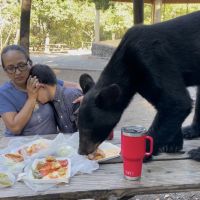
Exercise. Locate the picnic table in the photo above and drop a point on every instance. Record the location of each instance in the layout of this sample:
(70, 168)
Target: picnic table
(166, 173)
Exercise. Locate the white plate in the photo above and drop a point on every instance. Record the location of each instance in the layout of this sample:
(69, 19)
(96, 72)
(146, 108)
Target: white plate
(48, 180)
(45, 142)
(110, 150)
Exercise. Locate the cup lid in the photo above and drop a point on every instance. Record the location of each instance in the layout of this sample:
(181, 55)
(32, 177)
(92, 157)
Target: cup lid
(133, 130)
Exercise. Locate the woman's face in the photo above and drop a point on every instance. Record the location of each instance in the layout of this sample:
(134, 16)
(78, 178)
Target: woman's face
(16, 61)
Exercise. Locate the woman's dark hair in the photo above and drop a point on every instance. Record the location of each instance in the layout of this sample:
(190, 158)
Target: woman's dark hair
(44, 74)
(15, 48)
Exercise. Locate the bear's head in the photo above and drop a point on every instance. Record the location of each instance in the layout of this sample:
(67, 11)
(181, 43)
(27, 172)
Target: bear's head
(98, 113)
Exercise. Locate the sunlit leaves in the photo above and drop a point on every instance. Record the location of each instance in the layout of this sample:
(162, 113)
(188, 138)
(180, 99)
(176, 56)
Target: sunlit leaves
(72, 21)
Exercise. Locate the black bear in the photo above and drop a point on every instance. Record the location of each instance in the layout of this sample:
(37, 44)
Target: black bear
(157, 61)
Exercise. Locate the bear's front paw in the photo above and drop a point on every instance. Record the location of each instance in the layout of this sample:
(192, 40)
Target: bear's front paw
(171, 148)
(190, 132)
(195, 154)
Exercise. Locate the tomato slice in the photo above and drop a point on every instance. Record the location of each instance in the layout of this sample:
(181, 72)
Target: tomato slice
(43, 173)
(63, 163)
(47, 167)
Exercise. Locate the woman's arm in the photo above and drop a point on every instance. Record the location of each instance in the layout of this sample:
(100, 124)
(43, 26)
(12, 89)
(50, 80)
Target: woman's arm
(78, 100)
(15, 122)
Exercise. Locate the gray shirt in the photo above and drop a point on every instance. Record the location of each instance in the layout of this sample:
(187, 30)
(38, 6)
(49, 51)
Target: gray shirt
(42, 120)
(64, 108)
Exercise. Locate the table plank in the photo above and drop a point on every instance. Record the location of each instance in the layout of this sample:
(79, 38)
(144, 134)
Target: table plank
(158, 177)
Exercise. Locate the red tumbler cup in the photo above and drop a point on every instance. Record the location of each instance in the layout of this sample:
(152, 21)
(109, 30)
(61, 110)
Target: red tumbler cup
(133, 150)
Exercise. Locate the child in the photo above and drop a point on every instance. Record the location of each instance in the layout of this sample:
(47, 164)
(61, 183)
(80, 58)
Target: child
(60, 98)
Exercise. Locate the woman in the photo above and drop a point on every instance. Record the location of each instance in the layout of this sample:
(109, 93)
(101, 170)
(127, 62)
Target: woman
(19, 109)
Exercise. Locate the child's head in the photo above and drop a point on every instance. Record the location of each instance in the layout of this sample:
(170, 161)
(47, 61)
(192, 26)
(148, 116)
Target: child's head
(47, 80)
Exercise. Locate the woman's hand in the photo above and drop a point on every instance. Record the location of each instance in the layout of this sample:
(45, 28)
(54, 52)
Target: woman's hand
(78, 100)
(32, 87)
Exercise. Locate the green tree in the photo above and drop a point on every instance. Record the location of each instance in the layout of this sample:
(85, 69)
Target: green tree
(9, 22)
(72, 21)
(170, 11)
(69, 22)
(116, 20)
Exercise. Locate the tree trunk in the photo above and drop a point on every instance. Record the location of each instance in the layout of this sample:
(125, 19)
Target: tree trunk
(157, 5)
(46, 46)
(97, 25)
(16, 40)
(138, 11)
(1, 39)
(25, 24)
(7, 39)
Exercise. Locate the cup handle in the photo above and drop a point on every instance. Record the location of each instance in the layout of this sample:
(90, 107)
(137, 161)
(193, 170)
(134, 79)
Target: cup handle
(151, 145)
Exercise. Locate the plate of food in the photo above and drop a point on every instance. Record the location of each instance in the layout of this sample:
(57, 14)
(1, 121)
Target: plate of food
(105, 151)
(34, 147)
(29, 149)
(14, 157)
(50, 170)
(7, 179)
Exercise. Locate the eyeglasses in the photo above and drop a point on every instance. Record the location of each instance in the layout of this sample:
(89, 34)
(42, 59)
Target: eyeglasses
(11, 69)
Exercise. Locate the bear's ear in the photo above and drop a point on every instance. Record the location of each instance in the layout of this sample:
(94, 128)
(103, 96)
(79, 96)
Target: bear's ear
(86, 82)
(108, 97)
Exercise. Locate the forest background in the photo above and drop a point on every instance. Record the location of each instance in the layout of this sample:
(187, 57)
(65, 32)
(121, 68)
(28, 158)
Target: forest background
(71, 22)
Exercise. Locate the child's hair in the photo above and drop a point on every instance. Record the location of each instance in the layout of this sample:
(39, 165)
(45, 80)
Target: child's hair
(44, 74)
(15, 48)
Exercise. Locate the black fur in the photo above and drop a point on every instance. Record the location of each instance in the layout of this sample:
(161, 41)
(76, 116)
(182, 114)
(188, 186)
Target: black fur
(86, 82)
(157, 61)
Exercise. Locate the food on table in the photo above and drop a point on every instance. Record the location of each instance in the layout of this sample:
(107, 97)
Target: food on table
(97, 155)
(50, 168)
(65, 150)
(105, 152)
(5, 180)
(16, 157)
(27, 150)
(112, 152)
(34, 148)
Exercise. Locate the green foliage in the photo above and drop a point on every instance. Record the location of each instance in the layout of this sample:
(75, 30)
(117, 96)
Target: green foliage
(147, 14)
(9, 21)
(116, 20)
(65, 21)
(170, 11)
(71, 22)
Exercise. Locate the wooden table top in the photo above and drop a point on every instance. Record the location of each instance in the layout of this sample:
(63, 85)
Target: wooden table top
(166, 173)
